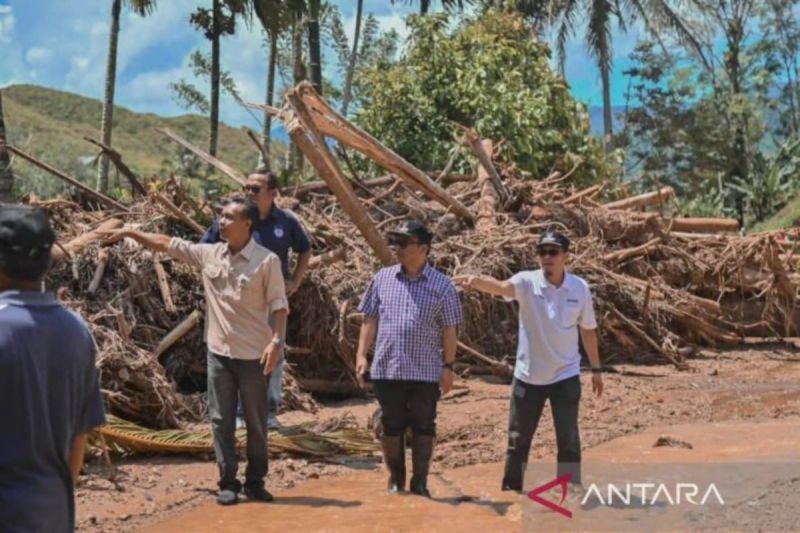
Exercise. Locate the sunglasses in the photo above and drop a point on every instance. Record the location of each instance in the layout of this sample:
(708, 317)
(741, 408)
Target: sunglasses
(552, 252)
(402, 243)
(252, 188)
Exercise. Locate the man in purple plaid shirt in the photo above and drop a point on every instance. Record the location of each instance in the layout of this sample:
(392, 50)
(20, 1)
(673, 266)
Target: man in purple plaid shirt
(414, 310)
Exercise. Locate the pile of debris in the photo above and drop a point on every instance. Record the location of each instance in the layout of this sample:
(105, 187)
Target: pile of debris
(662, 284)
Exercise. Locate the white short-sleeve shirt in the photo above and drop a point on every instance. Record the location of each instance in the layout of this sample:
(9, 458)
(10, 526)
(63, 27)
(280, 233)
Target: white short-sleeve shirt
(549, 317)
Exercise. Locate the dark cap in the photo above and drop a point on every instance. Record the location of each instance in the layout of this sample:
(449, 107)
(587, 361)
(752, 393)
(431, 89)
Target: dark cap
(412, 228)
(553, 238)
(25, 231)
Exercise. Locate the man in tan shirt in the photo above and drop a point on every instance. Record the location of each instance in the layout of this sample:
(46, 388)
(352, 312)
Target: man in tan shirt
(244, 286)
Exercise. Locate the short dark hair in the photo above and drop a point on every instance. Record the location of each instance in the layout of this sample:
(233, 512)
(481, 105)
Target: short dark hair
(26, 241)
(25, 267)
(249, 210)
(272, 179)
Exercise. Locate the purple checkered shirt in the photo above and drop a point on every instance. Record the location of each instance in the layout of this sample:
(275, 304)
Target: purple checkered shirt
(411, 314)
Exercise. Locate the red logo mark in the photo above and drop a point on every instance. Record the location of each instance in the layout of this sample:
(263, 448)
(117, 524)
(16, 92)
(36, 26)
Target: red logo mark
(559, 481)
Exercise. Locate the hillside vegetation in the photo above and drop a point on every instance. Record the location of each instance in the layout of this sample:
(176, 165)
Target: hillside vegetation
(51, 124)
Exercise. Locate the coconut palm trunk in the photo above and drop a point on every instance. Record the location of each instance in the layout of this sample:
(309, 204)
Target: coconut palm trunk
(108, 100)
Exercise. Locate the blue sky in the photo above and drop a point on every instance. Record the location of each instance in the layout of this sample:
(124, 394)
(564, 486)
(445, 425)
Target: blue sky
(62, 44)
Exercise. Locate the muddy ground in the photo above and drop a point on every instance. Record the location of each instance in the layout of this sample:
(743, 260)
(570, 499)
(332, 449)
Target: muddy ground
(719, 386)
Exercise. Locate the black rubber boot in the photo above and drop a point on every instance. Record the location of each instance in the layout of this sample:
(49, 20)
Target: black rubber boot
(394, 455)
(421, 453)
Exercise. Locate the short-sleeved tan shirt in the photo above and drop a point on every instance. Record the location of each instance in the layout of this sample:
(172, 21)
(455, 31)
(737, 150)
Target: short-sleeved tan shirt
(242, 291)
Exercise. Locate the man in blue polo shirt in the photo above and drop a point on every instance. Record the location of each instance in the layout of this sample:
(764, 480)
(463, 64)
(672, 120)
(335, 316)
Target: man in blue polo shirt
(49, 388)
(278, 230)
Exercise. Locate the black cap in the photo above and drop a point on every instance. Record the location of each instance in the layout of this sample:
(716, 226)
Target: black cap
(412, 228)
(25, 231)
(553, 238)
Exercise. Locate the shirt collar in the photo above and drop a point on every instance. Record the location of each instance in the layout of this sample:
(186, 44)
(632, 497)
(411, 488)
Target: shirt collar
(249, 248)
(542, 282)
(423, 276)
(28, 298)
(273, 212)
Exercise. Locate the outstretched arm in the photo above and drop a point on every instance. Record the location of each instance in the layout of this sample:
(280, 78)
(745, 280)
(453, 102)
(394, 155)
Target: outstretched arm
(485, 284)
(152, 241)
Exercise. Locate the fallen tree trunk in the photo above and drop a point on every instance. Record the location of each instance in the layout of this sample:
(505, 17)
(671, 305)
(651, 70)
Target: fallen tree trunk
(702, 225)
(330, 123)
(177, 333)
(223, 167)
(79, 243)
(100, 197)
(300, 128)
(642, 200)
(177, 213)
(487, 203)
(116, 158)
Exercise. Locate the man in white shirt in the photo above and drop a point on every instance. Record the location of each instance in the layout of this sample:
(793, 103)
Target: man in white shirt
(554, 306)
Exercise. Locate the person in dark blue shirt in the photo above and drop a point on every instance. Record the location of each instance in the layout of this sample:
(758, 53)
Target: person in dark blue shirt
(278, 230)
(49, 388)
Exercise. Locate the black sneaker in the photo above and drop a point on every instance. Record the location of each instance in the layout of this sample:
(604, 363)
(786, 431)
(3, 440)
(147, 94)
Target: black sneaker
(258, 494)
(227, 497)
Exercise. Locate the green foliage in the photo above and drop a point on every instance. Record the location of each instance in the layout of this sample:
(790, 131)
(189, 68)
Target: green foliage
(51, 124)
(490, 73)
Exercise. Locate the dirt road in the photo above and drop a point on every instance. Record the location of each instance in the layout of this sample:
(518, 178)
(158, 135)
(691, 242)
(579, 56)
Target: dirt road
(753, 386)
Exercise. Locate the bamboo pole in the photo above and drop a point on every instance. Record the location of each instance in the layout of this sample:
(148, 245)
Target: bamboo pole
(223, 167)
(310, 141)
(100, 197)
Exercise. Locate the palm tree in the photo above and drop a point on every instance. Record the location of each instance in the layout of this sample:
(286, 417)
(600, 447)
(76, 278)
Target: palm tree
(657, 15)
(274, 18)
(314, 45)
(425, 5)
(6, 176)
(351, 66)
(140, 7)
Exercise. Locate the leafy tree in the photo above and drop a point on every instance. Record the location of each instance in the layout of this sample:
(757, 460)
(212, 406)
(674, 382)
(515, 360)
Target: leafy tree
(486, 73)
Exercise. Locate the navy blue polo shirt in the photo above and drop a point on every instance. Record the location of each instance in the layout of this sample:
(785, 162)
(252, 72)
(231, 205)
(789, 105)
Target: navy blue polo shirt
(279, 231)
(49, 393)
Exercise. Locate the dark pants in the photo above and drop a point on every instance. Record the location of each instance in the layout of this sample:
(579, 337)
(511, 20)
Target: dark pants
(527, 404)
(228, 380)
(407, 404)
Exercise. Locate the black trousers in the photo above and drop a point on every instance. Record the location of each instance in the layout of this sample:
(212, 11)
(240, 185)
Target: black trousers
(527, 404)
(228, 380)
(407, 404)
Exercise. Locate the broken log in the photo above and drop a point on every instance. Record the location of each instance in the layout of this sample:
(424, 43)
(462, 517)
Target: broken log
(177, 213)
(163, 285)
(587, 193)
(629, 253)
(102, 262)
(223, 167)
(177, 333)
(642, 200)
(116, 158)
(79, 243)
(331, 123)
(488, 201)
(507, 370)
(328, 258)
(100, 197)
(483, 149)
(309, 140)
(702, 225)
(324, 386)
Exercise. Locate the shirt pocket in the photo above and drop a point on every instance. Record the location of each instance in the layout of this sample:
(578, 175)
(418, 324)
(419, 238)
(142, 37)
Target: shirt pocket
(248, 289)
(215, 273)
(570, 314)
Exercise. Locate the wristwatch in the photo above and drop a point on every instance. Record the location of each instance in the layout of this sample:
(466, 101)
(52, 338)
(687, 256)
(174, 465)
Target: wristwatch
(278, 341)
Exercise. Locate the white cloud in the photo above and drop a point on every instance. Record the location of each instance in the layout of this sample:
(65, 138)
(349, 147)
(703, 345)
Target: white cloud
(38, 56)
(7, 23)
(5, 9)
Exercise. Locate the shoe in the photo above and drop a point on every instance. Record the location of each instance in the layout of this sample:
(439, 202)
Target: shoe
(272, 421)
(227, 497)
(258, 494)
(394, 455)
(421, 453)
